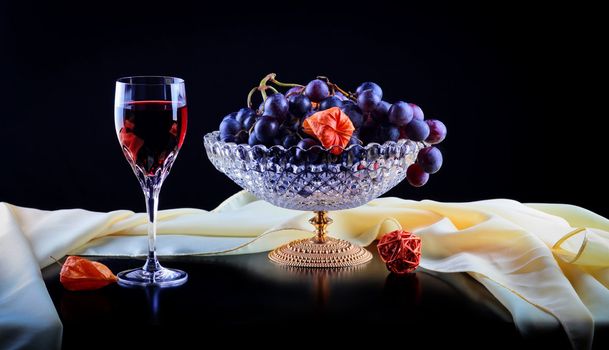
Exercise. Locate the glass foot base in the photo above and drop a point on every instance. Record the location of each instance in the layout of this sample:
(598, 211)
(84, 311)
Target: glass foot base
(332, 253)
(162, 277)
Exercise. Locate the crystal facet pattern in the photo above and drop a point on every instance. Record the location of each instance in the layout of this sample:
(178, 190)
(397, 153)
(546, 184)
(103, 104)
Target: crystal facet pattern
(313, 179)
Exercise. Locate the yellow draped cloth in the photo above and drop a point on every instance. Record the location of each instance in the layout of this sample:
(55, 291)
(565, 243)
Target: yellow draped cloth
(546, 263)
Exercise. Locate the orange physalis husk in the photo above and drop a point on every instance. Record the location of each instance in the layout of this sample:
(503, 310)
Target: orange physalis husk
(82, 274)
(332, 127)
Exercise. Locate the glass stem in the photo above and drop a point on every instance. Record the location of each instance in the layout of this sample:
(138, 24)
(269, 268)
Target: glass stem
(151, 192)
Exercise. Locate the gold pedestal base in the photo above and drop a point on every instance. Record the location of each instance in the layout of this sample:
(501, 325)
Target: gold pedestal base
(320, 251)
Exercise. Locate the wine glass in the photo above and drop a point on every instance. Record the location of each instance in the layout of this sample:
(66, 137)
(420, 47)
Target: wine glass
(150, 117)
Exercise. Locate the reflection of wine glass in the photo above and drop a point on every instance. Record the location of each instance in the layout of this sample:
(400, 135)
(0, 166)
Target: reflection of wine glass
(153, 295)
(150, 117)
(316, 180)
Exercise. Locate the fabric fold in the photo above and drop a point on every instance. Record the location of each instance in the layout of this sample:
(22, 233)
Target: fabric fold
(28, 319)
(547, 264)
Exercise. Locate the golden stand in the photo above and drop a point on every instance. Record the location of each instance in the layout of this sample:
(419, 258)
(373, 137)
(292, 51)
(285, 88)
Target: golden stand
(320, 251)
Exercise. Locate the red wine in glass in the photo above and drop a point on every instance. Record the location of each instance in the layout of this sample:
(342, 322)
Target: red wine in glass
(150, 117)
(151, 133)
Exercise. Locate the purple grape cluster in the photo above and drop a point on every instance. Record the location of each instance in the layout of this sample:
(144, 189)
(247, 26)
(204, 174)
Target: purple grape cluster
(383, 121)
(279, 120)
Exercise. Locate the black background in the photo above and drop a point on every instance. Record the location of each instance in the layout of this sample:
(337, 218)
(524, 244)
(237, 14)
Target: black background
(514, 84)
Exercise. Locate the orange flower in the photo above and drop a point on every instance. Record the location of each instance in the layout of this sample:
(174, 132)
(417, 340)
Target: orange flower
(332, 127)
(81, 274)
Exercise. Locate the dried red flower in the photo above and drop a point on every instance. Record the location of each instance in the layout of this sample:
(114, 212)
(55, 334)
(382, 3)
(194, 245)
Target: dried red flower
(82, 274)
(332, 127)
(401, 251)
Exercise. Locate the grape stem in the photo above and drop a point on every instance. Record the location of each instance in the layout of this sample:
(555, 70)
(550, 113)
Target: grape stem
(334, 87)
(278, 83)
(270, 78)
(249, 96)
(267, 78)
(347, 94)
(262, 86)
(295, 93)
(271, 88)
(330, 85)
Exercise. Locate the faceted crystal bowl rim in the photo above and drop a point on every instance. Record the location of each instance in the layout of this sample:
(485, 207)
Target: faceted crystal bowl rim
(218, 151)
(213, 137)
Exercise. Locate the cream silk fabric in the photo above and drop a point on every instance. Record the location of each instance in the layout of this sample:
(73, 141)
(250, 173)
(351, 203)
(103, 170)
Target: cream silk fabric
(547, 264)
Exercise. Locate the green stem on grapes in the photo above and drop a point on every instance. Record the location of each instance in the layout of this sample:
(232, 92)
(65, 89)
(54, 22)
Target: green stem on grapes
(261, 89)
(268, 77)
(272, 88)
(262, 86)
(278, 83)
(347, 94)
(249, 96)
(334, 87)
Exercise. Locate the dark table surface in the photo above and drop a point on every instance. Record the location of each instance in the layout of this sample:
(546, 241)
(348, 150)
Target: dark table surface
(255, 300)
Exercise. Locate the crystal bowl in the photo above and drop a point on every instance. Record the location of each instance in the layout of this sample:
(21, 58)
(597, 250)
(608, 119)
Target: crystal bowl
(315, 180)
(328, 182)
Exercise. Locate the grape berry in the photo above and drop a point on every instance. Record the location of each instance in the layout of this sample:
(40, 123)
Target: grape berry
(266, 128)
(279, 119)
(370, 86)
(437, 131)
(430, 159)
(400, 113)
(417, 130)
(416, 176)
(317, 90)
(368, 100)
(276, 106)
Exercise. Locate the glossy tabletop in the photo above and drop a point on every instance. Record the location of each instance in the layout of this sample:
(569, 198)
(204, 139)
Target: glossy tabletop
(258, 301)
